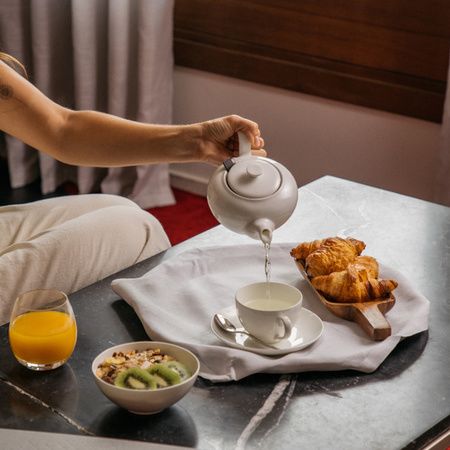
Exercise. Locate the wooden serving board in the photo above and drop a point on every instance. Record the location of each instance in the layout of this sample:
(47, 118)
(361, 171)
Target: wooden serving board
(368, 315)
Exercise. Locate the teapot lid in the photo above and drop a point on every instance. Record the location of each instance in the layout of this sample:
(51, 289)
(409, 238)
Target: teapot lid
(253, 177)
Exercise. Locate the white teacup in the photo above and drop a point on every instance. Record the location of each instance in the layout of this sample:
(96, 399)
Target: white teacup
(268, 311)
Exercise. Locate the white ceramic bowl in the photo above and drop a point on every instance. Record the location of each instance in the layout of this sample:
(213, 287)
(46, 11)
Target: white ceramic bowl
(148, 401)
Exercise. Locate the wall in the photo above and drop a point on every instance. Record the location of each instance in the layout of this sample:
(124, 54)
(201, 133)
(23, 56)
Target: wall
(313, 136)
(387, 55)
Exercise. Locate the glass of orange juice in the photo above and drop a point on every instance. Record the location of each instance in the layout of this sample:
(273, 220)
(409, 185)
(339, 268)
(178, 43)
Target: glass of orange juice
(42, 329)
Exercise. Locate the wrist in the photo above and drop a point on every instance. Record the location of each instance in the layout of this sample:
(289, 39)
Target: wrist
(192, 145)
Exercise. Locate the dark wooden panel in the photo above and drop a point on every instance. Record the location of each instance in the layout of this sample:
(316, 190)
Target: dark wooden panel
(418, 16)
(323, 48)
(314, 35)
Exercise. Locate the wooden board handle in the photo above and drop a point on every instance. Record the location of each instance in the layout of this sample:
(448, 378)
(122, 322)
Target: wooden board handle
(372, 321)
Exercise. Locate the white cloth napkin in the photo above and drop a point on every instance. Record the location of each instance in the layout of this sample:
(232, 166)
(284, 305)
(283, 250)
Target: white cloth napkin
(176, 301)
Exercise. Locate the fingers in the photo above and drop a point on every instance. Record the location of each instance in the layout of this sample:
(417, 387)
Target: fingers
(258, 143)
(255, 152)
(220, 141)
(221, 154)
(259, 152)
(250, 128)
(224, 153)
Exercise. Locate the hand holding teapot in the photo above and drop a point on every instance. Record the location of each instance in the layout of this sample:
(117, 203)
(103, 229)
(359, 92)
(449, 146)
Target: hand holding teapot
(252, 195)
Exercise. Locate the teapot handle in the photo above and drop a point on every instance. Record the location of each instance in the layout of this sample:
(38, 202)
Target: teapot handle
(245, 147)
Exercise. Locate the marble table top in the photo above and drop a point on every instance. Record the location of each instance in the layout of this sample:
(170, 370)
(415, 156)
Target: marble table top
(403, 404)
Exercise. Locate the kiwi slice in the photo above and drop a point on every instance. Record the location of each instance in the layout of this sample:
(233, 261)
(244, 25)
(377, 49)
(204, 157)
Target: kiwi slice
(160, 381)
(166, 373)
(135, 378)
(134, 383)
(179, 368)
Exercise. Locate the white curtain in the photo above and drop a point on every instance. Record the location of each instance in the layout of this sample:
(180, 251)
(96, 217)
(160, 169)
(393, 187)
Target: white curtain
(442, 191)
(106, 55)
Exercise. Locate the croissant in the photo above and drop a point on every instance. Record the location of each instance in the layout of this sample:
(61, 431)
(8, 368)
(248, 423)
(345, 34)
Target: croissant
(305, 248)
(366, 262)
(333, 255)
(352, 285)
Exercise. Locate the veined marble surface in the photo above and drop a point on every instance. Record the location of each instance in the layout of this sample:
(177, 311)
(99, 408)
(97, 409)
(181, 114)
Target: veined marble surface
(405, 403)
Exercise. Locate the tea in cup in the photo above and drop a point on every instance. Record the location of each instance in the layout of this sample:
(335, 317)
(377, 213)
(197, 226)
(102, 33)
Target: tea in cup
(269, 310)
(42, 330)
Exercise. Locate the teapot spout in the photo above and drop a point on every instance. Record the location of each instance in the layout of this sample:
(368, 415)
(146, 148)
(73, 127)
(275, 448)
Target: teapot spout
(266, 236)
(264, 230)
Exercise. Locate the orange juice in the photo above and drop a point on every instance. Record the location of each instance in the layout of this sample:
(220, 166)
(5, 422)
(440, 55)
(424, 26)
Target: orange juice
(43, 337)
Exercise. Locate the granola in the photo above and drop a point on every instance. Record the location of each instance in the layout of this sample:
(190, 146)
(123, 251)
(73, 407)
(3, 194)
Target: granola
(110, 368)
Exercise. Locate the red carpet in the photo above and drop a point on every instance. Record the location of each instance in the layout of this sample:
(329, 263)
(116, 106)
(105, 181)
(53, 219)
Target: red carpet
(188, 217)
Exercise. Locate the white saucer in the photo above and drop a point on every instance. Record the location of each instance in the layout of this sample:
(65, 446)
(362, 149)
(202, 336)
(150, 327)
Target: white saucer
(306, 331)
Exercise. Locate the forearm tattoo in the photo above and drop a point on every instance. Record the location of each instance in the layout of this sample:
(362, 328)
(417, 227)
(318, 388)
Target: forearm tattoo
(6, 92)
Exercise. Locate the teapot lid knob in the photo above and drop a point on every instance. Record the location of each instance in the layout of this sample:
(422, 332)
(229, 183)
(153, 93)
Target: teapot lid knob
(254, 170)
(253, 179)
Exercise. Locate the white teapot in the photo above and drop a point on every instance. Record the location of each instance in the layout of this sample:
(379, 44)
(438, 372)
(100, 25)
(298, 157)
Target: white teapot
(252, 195)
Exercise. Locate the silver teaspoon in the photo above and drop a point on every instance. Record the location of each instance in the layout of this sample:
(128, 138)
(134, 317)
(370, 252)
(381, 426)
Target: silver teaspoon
(223, 323)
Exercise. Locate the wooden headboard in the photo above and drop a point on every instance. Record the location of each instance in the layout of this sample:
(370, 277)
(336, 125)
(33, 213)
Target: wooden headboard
(390, 55)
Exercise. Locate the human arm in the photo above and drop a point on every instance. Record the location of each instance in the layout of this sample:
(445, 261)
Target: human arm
(90, 138)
